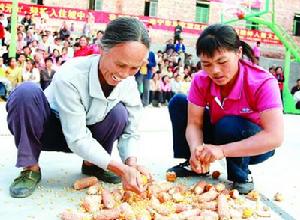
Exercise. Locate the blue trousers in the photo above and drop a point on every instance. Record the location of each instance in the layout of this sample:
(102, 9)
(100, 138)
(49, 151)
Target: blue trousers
(36, 127)
(226, 130)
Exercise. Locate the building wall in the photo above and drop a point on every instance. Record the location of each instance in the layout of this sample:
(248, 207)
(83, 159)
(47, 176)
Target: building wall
(177, 9)
(68, 4)
(183, 10)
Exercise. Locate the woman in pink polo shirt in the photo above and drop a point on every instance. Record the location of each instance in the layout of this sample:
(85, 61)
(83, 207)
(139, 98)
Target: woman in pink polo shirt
(233, 111)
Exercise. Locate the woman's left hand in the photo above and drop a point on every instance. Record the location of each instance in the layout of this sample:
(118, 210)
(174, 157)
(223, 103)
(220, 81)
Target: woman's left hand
(210, 154)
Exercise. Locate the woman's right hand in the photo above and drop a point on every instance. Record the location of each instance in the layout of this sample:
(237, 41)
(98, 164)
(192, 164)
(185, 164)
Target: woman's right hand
(131, 180)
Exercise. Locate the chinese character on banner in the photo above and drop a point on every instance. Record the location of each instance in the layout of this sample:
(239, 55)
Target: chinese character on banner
(80, 15)
(190, 25)
(250, 33)
(43, 11)
(270, 36)
(112, 17)
(72, 14)
(168, 23)
(152, 21)
(2, 7)
(160, 22)
(243, 33)
(8, 8)
(62, 13)
(34, 10)
(263, 35)
(53, 13)
(256, 34)
(197, 27)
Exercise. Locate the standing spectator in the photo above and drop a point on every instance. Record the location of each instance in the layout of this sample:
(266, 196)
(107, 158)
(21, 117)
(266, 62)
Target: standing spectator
(27, 21)
(272, 70)
(3, 19)
(280, 78)
(47, 74)
(256, 51)
(98, 38)
(64, 32)
(177, 32)
(143, 77)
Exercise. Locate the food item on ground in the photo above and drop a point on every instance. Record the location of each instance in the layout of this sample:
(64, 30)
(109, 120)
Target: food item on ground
(107, 199)
(278, 197)
(234, 194)
(144, 179)
(223, 207)
(74, 215)
(253, 195)
(216, 174)
(85, 182)
(94, 189)
(171, 176)
(220, 187)
(166, 201)
(247, 213)
(91, 203)
(199, 187)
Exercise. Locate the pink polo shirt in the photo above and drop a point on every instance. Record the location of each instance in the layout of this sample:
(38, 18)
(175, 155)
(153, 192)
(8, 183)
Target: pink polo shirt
(255, 90)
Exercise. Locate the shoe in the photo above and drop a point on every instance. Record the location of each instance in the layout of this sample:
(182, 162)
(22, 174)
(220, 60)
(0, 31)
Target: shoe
(25, 184)
(184, 170)
(101, 174)
(244, 188)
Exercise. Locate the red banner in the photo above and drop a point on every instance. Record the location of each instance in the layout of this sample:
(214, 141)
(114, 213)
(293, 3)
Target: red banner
(249, 3)
(157, 23)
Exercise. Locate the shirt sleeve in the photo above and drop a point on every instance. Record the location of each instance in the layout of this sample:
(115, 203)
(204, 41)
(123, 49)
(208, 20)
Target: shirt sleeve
(197, 93)
(73, 120)
(268, 96)
(128, 144)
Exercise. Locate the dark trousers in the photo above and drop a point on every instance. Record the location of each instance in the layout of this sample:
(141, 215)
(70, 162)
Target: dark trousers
(155, 97)
(226, 130)
(36, 127)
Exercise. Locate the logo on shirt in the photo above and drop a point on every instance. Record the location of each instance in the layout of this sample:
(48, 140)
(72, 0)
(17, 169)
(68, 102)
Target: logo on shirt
(246, 110)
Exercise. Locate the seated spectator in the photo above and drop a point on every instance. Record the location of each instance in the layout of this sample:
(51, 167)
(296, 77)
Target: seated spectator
(13, 72)
(27, 21)
(84, 49)
(169, 47)
(180, 47)
(30, 73)
(296, 88)
(165, 86)
(176, 84)
(296, 93)
(47, 74)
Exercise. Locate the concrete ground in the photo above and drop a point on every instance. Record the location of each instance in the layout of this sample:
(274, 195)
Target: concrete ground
(59, 171)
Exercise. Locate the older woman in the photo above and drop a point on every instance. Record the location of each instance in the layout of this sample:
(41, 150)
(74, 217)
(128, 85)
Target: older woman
(87, 96)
